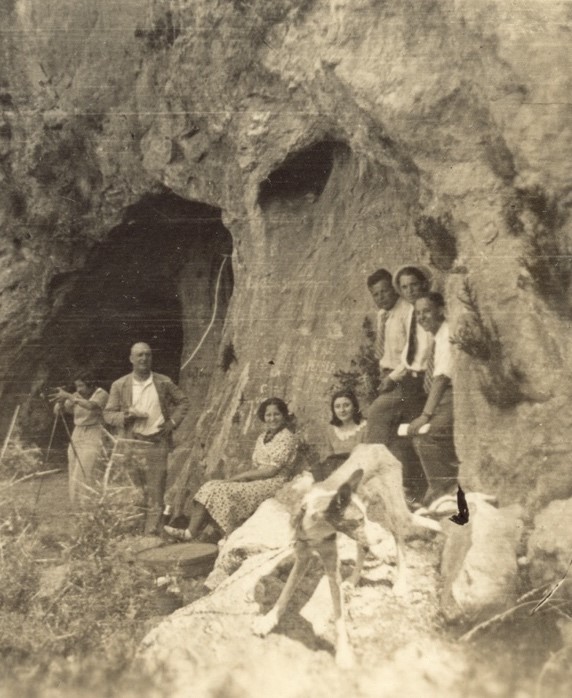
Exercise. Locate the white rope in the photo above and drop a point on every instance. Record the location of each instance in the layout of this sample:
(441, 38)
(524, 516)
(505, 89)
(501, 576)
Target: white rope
(10, 430)
(211, 323)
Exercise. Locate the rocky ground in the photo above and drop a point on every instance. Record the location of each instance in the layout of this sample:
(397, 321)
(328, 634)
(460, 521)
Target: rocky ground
(402, 645)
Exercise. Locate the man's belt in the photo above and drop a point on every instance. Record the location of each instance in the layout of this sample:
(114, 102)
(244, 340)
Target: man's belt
(149, 438)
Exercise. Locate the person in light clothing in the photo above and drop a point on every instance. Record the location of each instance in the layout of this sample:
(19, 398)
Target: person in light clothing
(401, 391)
(85, 450)
(436, 448)
(146, 407)
(392, 322)
(345, 431)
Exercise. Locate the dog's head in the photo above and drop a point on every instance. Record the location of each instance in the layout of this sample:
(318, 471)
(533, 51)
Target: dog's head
(324, 513)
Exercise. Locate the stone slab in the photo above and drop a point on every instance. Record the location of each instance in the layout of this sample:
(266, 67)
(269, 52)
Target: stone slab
(184, 559)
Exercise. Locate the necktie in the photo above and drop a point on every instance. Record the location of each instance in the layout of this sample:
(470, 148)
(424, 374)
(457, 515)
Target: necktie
(380, 336)
(428, 380)
(412, 341)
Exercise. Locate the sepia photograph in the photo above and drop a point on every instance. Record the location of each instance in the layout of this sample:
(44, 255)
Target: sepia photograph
(285, 348)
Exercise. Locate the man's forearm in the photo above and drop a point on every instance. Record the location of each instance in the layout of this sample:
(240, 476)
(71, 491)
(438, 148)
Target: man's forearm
(438, 387)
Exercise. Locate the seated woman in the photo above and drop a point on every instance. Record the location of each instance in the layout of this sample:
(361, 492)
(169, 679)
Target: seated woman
(85, 450)
(345, 431)
(228, 503)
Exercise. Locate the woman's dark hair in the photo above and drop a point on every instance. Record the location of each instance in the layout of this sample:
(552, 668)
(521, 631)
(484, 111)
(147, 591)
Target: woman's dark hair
(357, 416)
(277, 402)
(87, 377)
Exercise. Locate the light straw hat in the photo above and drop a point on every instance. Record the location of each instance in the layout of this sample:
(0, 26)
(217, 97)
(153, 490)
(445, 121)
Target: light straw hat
(420, 267)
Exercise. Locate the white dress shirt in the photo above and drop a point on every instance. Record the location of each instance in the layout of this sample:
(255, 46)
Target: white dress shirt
(146, 400)
(424, 341)
(443, 363)
(396, 326)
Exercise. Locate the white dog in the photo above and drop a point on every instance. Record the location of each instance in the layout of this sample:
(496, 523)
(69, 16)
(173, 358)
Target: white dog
(369, 480)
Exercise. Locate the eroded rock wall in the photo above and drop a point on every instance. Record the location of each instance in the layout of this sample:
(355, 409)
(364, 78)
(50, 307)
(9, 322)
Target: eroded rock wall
(445, 132)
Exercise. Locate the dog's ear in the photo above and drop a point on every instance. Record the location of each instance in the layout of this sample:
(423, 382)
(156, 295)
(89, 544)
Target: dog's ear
(344, 494)
(341, 499)
(355, 479)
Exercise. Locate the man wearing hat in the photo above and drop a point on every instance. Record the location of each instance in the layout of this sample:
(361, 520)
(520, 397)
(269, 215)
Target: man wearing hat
(402, 396)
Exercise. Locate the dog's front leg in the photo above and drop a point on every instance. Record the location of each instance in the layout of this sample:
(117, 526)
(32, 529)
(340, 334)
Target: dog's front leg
(265, 624)
(344, 652)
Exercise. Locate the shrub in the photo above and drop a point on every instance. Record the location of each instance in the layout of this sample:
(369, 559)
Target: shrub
(81, 634)
(19, 458)
(536, 217)
(364, 377)
(501, 382)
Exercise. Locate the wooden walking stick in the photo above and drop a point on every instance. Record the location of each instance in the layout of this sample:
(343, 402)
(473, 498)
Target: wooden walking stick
(46, 459)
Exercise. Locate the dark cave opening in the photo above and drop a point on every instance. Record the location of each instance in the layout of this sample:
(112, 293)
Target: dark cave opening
(304, 172)
(152, 280)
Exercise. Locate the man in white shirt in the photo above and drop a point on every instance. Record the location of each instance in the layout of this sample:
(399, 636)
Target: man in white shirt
(392, 321)
(401, 390)
(146, 408)
(436, 448)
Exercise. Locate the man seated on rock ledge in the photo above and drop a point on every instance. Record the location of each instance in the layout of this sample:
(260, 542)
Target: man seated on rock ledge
(402, 345)
(147, 407)
(436, 448)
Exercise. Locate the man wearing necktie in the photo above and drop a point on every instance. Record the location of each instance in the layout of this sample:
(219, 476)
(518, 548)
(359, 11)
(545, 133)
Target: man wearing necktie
(391, 323)
(436, 448)
(401, 391)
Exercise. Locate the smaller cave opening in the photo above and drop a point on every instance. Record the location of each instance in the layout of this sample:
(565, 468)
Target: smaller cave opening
(304, 172)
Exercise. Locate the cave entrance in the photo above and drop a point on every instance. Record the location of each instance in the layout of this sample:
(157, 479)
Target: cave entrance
(153, 280)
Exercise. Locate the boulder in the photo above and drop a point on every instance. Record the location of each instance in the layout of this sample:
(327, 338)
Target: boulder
(549, 549)
(479, 562)
(266, 530)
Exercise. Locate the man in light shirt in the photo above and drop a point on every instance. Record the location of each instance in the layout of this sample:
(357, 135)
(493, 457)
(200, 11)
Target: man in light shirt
(391, 322)
(401, 390)
(436, 448)
(146, 408)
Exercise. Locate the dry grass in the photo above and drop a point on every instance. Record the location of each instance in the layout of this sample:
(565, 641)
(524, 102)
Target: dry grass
(73, 605)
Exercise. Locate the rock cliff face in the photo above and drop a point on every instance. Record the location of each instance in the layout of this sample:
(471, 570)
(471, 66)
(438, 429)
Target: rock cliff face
(142, 141)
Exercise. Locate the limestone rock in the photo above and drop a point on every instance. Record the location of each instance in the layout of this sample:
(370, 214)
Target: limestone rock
(210, 646)
(268, 529)
(312, 143)
(479, 563)
(550, 546)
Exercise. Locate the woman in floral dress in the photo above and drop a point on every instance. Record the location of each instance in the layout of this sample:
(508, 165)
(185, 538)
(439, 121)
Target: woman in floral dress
(230, 502)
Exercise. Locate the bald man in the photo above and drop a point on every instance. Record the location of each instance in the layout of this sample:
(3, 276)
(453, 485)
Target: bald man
(146, 408)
